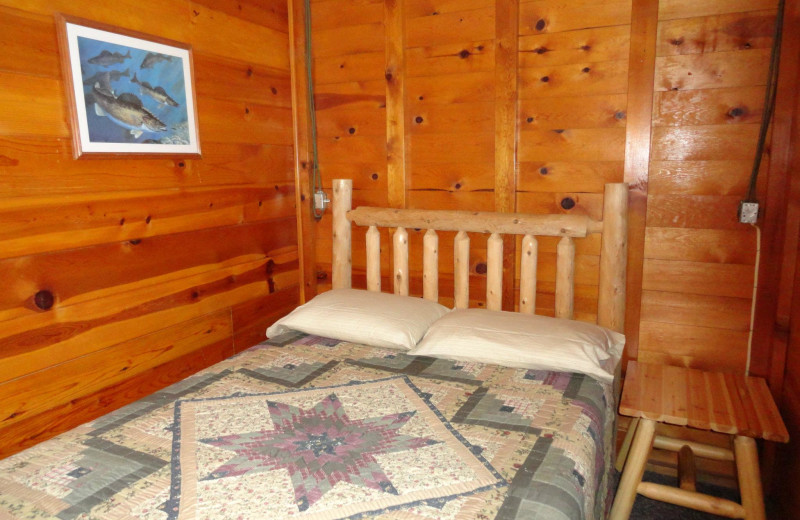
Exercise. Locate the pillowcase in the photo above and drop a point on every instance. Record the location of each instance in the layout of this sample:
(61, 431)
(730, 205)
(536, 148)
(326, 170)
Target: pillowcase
(524, 341)
(368, 317)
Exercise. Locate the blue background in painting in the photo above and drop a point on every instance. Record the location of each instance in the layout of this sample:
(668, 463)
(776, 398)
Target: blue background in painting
(166, 74)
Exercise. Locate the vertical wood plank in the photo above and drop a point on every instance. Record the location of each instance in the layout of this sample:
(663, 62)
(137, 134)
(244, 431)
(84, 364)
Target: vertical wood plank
(394, 24)
(461, 270)
(565, 277)
(505, 155)
(400, 250)
(306, 230)
(611, 298)
(527, 274)
(373, 259)
(341, 273)
(430, 266)
(641, 71)
(494, 273)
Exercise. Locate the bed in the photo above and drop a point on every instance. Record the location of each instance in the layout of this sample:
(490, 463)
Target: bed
(366, 404)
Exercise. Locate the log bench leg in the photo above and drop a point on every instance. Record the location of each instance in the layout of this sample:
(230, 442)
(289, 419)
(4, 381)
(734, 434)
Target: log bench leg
(634, 469)
(744, 449)
(622, 456)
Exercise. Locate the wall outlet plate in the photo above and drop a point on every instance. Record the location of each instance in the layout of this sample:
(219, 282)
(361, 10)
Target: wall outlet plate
(748, 212)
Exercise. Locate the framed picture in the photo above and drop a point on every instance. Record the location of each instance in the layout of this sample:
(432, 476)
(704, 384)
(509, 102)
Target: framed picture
(127, 93)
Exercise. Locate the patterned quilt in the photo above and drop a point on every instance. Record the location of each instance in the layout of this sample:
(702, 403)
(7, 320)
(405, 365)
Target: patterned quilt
(311, 428)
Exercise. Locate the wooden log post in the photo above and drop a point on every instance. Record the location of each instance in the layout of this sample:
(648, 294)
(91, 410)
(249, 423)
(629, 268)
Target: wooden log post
(565, 277)
(613, 271)
(400, 242)
(430, 266)
(527, 274)
(494, 273)
(373, 259)
(342, 261)
(749, 475)
(461, 270)
(687, 470)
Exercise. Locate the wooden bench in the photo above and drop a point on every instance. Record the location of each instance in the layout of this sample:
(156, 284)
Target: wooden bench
(722, 402)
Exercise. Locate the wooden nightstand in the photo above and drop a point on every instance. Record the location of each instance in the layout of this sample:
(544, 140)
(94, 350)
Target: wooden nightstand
(727, 403)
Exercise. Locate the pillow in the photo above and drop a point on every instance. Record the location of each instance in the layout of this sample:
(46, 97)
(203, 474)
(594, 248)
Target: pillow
(524, 341)
(368, 317)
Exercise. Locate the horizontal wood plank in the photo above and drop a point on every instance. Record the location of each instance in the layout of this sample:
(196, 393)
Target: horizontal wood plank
(719, 33)
(552, 16)
(734, 246)
(698, 310)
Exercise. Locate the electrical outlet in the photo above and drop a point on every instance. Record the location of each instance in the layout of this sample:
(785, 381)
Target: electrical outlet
(321, 200)
(748, 212)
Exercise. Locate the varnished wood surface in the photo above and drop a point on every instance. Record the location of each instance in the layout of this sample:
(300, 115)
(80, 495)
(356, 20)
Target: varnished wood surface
(718, 401)
(124, 276)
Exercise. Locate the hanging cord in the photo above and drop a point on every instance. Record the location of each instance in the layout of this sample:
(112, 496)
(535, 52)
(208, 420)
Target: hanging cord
(753, 305)
(316, 181)
(769, 101)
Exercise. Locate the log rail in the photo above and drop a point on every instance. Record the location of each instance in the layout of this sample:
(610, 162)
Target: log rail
(611, 301)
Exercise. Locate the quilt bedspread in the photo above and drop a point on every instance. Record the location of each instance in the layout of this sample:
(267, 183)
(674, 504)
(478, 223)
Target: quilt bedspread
(312, 428)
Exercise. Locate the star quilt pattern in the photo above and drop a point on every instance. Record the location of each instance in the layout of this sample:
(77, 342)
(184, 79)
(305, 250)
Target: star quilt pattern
(313, 428)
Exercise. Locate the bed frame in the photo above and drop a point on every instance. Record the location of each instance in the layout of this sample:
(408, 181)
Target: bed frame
(613, 227)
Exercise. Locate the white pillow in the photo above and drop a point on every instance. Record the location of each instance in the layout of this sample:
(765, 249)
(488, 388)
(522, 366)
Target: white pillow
(367, 317)
(524, 341)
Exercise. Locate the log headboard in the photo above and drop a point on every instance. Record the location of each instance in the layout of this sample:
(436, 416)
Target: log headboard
(613, 227)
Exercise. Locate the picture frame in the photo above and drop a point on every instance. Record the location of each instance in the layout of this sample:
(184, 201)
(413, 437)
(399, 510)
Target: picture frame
(128, 94)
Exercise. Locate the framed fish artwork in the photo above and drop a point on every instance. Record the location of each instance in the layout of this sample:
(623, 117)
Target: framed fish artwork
(128, 93)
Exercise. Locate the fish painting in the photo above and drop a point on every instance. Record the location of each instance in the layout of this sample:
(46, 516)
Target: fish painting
(107, 58)
(152, 58)
(157, 93)
(125, 110)
(105, 78)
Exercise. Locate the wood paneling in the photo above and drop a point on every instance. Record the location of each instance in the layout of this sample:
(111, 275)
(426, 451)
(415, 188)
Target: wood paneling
(667, 95)
(146, 269)
(709, 85)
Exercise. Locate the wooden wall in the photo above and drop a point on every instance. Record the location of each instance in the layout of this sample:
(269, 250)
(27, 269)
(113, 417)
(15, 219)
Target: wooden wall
(156, 267)
(414, 98)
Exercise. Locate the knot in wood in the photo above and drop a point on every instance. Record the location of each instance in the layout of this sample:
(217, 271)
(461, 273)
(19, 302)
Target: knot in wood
(540, 24)
(464, 54)
(736, 112)
(480, 268)
(44, 299)
(567, 203)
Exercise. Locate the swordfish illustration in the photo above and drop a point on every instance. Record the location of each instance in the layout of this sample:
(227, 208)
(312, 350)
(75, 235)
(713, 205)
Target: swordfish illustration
(126, 110)
(157, 93)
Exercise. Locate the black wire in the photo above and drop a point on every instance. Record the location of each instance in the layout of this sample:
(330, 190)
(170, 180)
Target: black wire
(769, 102)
